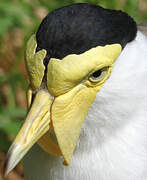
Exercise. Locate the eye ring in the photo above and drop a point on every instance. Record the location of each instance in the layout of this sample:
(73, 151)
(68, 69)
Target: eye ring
(99, 75)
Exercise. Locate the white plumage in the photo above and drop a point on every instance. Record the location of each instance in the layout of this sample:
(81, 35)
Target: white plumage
(113, 140)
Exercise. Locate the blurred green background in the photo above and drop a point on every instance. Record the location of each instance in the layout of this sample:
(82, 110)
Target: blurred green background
(18, 20)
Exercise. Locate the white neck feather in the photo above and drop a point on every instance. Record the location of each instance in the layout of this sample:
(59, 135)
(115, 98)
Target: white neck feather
(113, 140)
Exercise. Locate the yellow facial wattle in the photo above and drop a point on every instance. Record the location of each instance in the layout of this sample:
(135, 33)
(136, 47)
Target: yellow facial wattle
(34, 63)
(59, 98)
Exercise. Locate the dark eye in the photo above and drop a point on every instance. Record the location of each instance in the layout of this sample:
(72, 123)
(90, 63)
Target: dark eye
(99, 75)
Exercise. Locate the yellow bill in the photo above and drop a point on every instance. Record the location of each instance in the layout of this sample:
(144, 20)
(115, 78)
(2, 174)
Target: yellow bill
(35, 126)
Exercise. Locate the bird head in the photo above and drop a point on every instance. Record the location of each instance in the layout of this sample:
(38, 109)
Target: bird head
(68, 61)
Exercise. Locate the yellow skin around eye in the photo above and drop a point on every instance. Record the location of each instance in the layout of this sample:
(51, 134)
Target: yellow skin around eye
(34, 63)
(95, 78)
(99, 84)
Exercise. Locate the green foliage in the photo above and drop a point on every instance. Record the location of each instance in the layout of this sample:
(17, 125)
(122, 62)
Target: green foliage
(132, 8)
(10, 116)
(7, 118)
(4, 142)
(13, 14)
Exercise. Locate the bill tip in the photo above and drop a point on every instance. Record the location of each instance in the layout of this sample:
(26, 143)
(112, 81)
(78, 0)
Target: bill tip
(5, 171)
